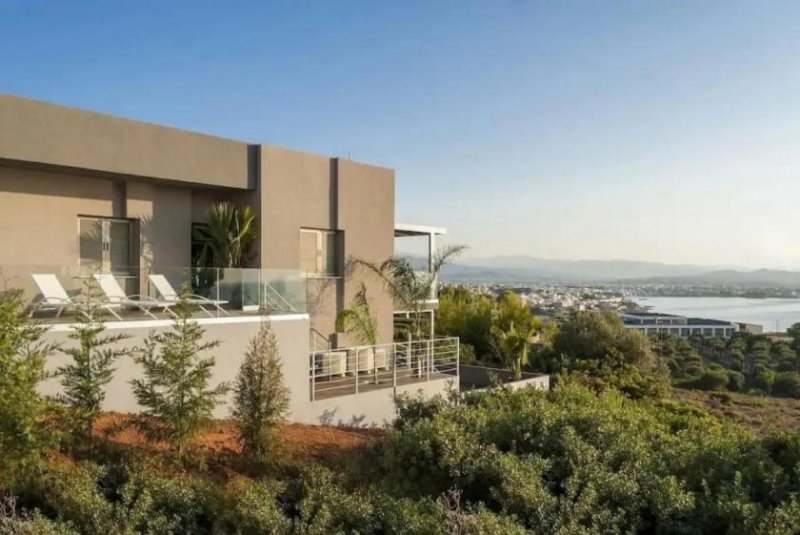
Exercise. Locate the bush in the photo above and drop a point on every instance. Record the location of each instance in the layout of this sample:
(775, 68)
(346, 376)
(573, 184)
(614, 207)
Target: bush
(786, 385)
(261, 398)
(712, 379)
(597, 349)
(763, 381)
(91, 368)
(175, 389)
(24, 437)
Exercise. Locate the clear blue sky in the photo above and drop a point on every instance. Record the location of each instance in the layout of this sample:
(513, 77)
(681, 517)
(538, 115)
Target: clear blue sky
(666, 131)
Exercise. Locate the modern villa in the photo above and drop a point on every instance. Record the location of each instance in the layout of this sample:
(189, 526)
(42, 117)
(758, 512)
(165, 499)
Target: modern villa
(91, 197)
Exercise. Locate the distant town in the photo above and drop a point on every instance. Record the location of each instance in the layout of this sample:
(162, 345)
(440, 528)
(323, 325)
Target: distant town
(557, 300)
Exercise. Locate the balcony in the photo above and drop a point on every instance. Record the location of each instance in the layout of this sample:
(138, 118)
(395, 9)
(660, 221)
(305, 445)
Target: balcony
(59, 294)
(428, 234)
(360, 369)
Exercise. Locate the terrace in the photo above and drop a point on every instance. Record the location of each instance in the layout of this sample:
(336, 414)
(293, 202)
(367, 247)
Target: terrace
(360, 369)
(59, 294)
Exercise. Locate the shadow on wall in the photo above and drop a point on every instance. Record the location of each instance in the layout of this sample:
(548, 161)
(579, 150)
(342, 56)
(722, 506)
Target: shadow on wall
(328, 417)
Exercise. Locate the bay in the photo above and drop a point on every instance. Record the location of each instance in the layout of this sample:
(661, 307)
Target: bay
(774, 314)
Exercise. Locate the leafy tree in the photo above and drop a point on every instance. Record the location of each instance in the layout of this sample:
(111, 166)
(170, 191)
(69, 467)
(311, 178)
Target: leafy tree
(261, 398)
(91, 368)
(23, 356)
(358, 321)
(175, 389)
(227, 237)
(411, 289)
(468, 316)
(597, 346)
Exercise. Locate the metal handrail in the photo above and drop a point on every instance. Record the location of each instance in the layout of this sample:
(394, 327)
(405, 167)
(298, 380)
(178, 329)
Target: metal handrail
(345, 371)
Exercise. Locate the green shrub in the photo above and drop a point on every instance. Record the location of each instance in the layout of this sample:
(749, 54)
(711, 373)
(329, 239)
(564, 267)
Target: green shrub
(261, 398)
(712, 379)
(175, 389)
(90, 369)
(786, 385)
(24, 437)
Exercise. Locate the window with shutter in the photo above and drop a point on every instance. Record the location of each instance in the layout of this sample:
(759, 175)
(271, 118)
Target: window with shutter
(320, 252)
(308, 251)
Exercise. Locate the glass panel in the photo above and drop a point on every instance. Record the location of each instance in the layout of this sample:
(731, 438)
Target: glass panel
(120, 246)
(91, 244)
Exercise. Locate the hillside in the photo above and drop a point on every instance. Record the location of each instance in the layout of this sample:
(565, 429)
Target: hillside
(759, 413)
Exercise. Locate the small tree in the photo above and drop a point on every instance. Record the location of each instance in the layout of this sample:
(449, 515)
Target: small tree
(261, 398)
(175, 388)
(92, 367)
(227, 237)
(513, 331)
(411, 289)
(23, 355)
(358, 321)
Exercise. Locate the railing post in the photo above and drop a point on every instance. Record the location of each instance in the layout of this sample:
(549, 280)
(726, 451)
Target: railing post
(313, 376)
(356, 365)
(429, 359)
(458, 363)
(394, 365)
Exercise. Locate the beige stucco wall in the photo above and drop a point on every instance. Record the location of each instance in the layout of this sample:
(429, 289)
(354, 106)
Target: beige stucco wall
(366, 214)
(300, 190)
(49, 134)
(39, 211)
(233, 334)
(39, 221)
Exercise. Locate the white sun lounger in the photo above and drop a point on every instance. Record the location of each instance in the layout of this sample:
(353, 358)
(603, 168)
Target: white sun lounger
(168, 294)
(115, 295)
(55, 297)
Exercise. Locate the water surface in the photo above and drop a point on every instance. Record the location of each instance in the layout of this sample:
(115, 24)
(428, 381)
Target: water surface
(773, 314)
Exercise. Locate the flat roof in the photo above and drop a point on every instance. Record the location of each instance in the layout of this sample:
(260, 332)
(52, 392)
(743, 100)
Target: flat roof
(407, 229)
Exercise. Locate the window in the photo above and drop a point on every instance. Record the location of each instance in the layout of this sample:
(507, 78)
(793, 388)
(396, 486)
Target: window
(107, 245)
(320, 252)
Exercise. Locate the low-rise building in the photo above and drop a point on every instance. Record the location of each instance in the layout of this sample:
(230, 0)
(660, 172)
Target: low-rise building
(653, 322)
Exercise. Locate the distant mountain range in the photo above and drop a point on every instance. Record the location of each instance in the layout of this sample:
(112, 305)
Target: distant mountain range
(525, 269)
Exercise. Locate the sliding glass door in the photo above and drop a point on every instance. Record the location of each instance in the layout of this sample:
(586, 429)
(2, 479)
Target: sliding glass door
(107, 245)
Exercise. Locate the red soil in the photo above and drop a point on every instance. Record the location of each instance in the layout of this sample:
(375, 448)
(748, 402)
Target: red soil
(299, 440)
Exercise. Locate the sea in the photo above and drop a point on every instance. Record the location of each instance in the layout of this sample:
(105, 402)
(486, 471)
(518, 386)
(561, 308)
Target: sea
(774, 314)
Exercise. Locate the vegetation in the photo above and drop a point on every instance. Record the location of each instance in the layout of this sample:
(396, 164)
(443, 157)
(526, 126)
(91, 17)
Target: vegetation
(512, 331)
(227, 237)
(571, 460)
(745, 363)
(410, 289)
(595, 346)
(261, 398)
(23, 356)
(175, 389)
(357, 321)
(467, 315)
(566, 461)
(90, 369)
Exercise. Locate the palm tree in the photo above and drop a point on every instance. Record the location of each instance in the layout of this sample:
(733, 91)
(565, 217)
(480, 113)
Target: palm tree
(358, 321)
(513, 331)
(227, 237)
(409, 288)
(512, 344)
